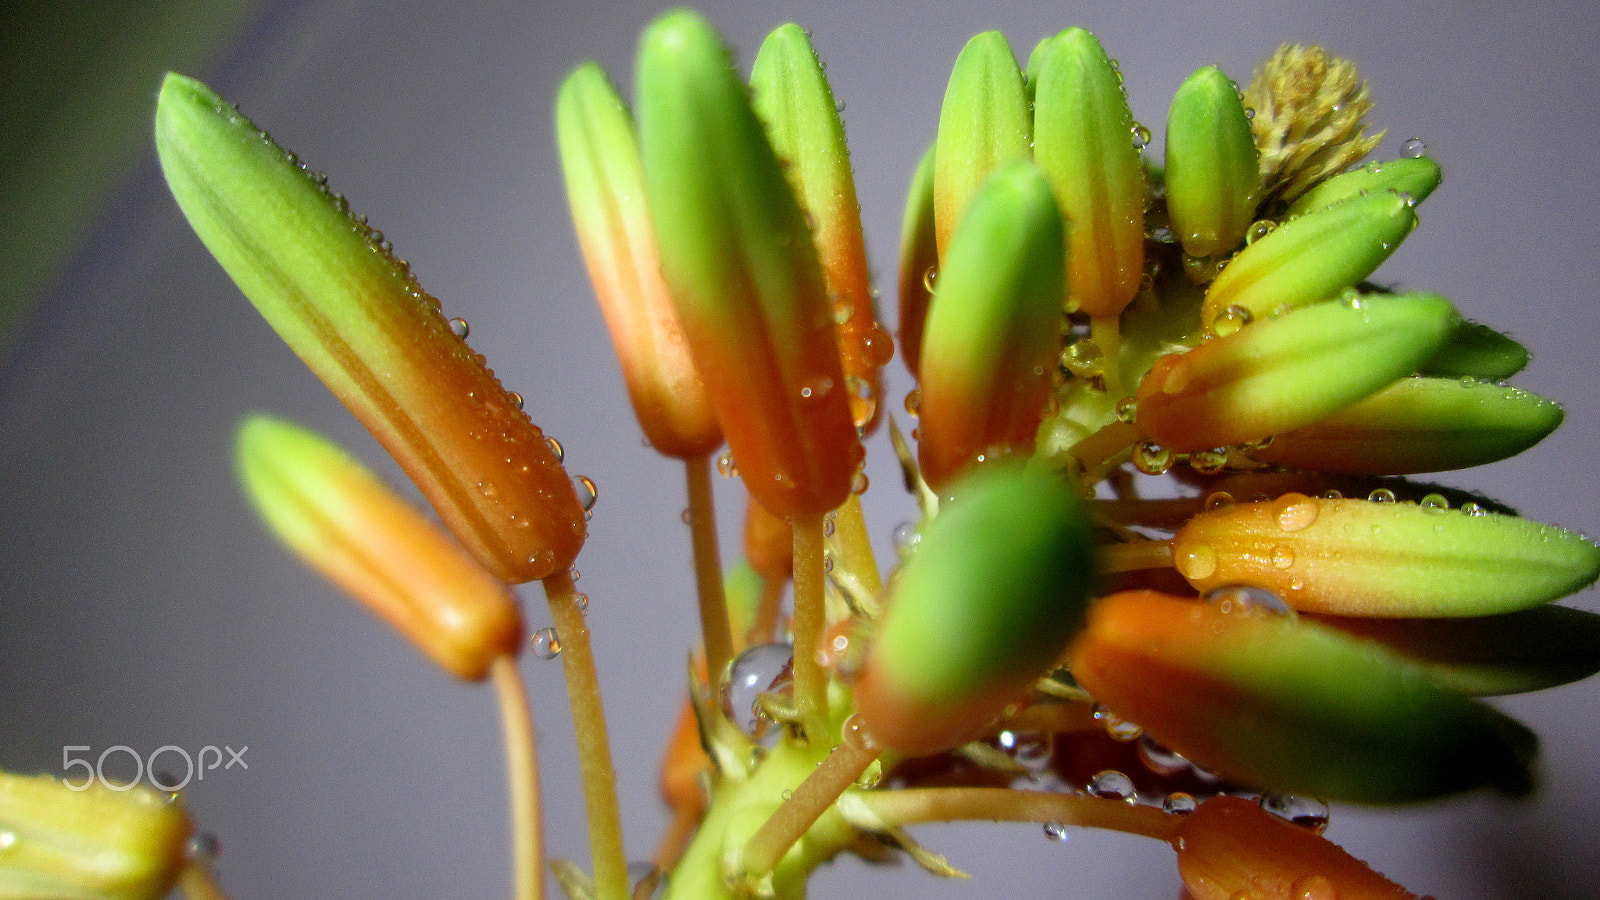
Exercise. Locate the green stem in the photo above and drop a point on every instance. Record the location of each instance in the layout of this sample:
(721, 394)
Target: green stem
(594, 743)
(909, 807)
(1114, 558)
(804, 806)
(714, 628)
(522, 765)
(1107, 334)
(1105, 445)
(810, 681)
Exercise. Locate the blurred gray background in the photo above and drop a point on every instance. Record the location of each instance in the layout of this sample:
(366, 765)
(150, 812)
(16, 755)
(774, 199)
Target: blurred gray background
(142, 605)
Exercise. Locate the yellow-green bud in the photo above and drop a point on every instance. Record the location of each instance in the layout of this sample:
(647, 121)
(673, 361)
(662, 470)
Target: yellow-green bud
(1311, 258)
(993, 331)
(1385, 559)
(1213, 174)
(995, 589)
(1415, 177)
(1419, 425)
(1477, 351)
(984, 122)
(94, 841)
(1288, 371)
(1086, 144)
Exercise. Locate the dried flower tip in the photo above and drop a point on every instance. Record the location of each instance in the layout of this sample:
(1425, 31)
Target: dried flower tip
(1477, 351)
(793, 99)
(1213, 175)
(1311, 258)
(993, 331)
(346, 524)
(1288, 371)
(919, 262)
(1232, 849)
(1414, 177)
(1087, 145)
(1310, 119)
(1366, 558)
(96, 841)
(1419, 425)
(983, 123)
(332, 290)
(995, 590)
(738, 256)
(1511, 653)
(606, 191)
(1283, 704)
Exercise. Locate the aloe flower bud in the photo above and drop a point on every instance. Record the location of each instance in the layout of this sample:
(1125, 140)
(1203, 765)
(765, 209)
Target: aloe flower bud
(1311, 258)
(738, 255)
(1289, 370)
(983, 122)
(919, 258)
(793, 99)
(1278, 703)
(1232, 849)
(1413, 176)
(993, 331)
(1366, 558)
(605, 187)
(1419, 425)
(1213, 174)
(1084, 142)
(100, 842)
(352, 529)
(992, 594)
(353, 312)
(1477, 351)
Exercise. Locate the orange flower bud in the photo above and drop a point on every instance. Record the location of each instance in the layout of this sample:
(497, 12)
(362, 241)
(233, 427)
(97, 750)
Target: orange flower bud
(353, 312)
(346, 524)
(1232, 849)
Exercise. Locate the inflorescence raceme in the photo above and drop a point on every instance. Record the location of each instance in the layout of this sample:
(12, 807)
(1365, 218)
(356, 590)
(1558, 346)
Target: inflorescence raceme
(1300, 624)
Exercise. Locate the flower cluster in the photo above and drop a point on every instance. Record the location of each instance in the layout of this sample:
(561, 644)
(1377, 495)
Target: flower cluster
(1205, 658)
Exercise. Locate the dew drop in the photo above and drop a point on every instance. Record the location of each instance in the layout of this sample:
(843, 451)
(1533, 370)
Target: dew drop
(460, 328)
(930, 278)
(1413, 148)
(1055, 831)
(1158, 759)
(1313, 887)
(1282, 556)
(546, 643)
(587, 492)
(914, 403)
(1296, 512)
(556, 448)
(1244, 599)
(815, 390)
(858, 484)
(1164, 235)
(1209, 462)
(1113, 785)
(1474, 509)
(1218, 500)
(203, 847)
(583, 602)
(853, 733)
(1151, 458)
(1196, 562)
(1434, 501)
(1306, 812)
(905, 538)
(1230, 320)
(1118, 728)
(726, 466)
(1084, 359)
(761, 669)
(1381, 495)
(1141, 136)
(1179, 803)
(1258, 230)
(1127, 410)
(515, 398)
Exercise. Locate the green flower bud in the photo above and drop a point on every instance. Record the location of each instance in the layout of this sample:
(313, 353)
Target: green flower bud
(1311, 258)
(984, 122)
(919, 260)
(1213, 174)
(1288, 371)
(793, 99)
(994, 591)
(1415, 177)
(1419, 425)
(1511, 653)
(331, 288)
(743, 271)
(1085, 143)
(1477, 351)
(1385, 559)
(100, 842)
(1287, 705)
(993, 330)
